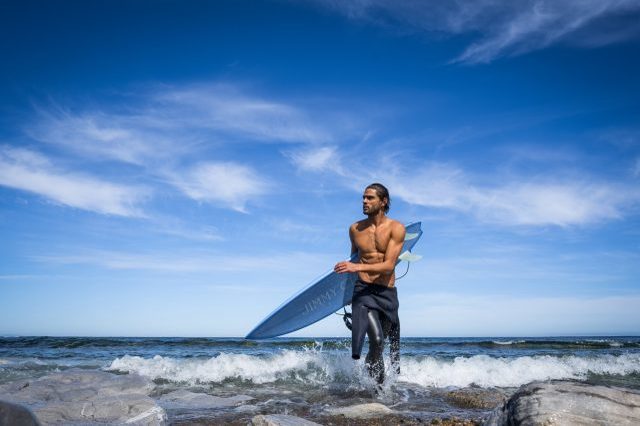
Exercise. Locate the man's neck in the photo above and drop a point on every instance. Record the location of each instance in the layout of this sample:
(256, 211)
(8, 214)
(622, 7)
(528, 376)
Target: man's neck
(377, 219)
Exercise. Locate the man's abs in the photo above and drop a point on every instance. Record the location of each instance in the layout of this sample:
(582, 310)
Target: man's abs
(386, 280)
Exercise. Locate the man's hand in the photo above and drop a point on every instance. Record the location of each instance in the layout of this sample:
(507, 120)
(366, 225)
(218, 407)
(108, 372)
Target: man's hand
(344, 267)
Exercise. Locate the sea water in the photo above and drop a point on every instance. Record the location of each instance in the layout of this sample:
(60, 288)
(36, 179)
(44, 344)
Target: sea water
(285, 373)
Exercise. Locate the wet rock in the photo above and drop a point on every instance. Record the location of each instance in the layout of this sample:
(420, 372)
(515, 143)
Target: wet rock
(280, 420)
(14, 414)
(568, 403)
(361, 411)
(475, 398)
(248, 408)
(82, 396)
(183, 399)
(454, 421)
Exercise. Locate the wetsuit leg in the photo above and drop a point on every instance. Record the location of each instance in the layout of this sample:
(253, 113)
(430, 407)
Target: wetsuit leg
(359, 325)
(375, 360)
(392, 330)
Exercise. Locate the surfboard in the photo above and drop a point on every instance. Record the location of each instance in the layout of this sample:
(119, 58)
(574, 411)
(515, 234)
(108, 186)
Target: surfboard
(323, 297)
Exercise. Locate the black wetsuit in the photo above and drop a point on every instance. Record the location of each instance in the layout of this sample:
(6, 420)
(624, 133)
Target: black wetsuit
(375, 313)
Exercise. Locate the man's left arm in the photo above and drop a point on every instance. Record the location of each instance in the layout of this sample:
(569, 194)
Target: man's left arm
(388, 265)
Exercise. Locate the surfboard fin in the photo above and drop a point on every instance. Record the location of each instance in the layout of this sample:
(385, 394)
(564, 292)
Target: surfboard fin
(410, 236)
(407, 256)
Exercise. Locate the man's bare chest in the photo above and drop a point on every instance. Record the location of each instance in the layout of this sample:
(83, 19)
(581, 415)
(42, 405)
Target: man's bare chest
(372, 240)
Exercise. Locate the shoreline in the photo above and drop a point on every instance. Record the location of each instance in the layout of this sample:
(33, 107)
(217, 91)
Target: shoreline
(88, 396)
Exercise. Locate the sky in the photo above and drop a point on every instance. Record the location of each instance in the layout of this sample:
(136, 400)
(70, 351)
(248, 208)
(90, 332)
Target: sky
(180, 168)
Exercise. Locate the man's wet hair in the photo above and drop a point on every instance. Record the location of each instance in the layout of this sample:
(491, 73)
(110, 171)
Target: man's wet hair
(382, 192)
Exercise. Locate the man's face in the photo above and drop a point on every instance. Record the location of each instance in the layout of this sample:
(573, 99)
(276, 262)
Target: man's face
(371, 203)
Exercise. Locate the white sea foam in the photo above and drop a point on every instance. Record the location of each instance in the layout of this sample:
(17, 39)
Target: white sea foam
(486, 371)
(507, 342)
(313, 366)
(317, 367)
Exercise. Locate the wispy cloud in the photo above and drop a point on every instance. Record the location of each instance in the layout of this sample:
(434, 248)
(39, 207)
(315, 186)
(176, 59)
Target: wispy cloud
(30, 171)
(169, 133)
(225, 108)
(317, 159)
(505, 28)
(192, 262)
(228, 184)
(166, 122)
(100, 136)
(514, 200)
(561, 201)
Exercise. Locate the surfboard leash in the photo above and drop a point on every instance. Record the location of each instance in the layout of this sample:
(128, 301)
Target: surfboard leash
(346, 317)
(405, 272)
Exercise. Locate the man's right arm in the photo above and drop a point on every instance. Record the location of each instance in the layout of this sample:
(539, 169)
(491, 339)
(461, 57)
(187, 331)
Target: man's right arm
(340, 266)
(352, 237)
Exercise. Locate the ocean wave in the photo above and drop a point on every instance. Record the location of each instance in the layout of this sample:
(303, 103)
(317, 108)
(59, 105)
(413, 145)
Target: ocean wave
(305, 366)
(317, 367)
(169, 342)
(224, 344)
(486, 371)
(508, 342)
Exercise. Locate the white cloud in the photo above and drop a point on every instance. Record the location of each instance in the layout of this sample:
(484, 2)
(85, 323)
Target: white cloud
(562, 204)
(512, 201)
(506, 28)
(522, 202)
(325, 158)
(166, 122)
(224, 183)
(102, 136)
(225, 108)
(29, 171)
(192, 262)
(162, 130)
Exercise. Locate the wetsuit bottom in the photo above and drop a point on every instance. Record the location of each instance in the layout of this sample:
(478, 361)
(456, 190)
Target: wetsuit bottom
(375, 314)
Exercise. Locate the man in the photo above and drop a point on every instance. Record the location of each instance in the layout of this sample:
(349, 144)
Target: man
(378, 241)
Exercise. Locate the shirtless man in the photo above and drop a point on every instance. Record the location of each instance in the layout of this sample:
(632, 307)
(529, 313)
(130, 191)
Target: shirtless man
(378, 241)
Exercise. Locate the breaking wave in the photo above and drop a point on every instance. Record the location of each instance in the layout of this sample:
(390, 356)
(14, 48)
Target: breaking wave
(316, 368)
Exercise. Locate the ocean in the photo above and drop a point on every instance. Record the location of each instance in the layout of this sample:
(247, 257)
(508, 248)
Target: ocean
(305, 376)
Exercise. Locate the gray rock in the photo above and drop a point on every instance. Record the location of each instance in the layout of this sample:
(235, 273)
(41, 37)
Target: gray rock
(568, 403)
(248, 408)
(280, 420)
(14, 414)
(361, 411)
(183, 399)
(81, 396)
(475, 398)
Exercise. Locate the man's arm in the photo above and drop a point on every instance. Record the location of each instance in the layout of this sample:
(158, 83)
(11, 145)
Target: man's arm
(354, 249)
(390, 256)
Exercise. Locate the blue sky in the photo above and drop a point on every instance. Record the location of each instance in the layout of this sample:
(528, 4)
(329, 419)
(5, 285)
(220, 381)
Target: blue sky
(180, 168)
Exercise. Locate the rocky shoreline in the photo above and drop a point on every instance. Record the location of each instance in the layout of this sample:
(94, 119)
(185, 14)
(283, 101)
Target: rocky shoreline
(86, 397)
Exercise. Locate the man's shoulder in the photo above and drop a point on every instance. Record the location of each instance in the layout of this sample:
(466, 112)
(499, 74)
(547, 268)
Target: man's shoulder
(394, 224)
(397, 229)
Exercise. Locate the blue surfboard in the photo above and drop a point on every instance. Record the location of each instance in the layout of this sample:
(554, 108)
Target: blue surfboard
(322, 297)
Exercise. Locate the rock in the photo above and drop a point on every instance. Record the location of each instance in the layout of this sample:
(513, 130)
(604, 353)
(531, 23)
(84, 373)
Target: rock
(280, 420)
(248, 408)
(568, 403)
(475, 398)
(182, 399)
(13, 414)
(361, 411)
(454, 421)
(83, 396)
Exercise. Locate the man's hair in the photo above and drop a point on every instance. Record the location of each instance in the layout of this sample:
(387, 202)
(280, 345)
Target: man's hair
(382, 192)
